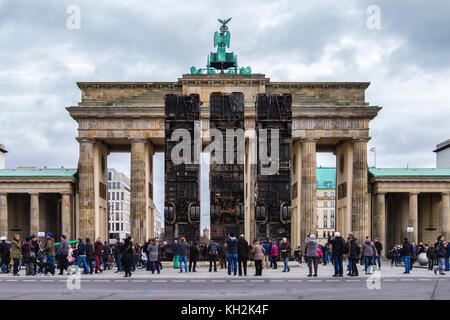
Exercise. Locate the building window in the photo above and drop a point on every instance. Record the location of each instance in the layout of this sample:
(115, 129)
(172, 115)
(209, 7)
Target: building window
(325, 214)
(114, 195)
(332, 224)
(122, 195)
(325, 224)
(332, 204)
(109, 185)
(118, 185)
(117, 206)
(332, 214)
(325, 204)
(109, 195)
(117, 226)
(332, 195)
(109, 176)
(325, 195)
(324, 234)
(328, 184)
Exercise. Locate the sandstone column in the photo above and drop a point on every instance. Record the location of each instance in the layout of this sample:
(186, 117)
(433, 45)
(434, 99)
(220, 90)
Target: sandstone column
(65, 215)
(413, 216)
(4, 215)
(308, 188)
(86, 188)
(445, 215)
(296, 236)
(138, 197)
(34, 213)
(380, 218)
(360, 211)
(249, 180)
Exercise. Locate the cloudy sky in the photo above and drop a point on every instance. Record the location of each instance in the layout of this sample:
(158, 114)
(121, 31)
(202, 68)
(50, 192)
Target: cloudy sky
(406, 60)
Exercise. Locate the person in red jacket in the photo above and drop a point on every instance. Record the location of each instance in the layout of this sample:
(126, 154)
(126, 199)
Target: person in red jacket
(274, 253)
(98, 255)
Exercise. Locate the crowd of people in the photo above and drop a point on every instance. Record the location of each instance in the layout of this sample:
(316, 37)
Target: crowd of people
(232, 254)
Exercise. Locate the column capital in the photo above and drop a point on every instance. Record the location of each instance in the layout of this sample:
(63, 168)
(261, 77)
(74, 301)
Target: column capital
(137, 139)
(85, 139)
(302, 140)
(413, 193)
(380, 193)
(33, 193)
(365, 140)
(445, 194)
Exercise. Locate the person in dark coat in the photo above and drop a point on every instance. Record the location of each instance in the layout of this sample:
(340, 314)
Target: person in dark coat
(98, 254)
(232, 253)
(377, 258)
(62, 251)
(26, 256)
(106, 255)
(183, 250)
(222, 256)
(194, 254)
(176, 254)
(36, 248)
(5, 255)
(89, 254)
(118, 255)
(354, 255)
(285, 249)
(242, 254)
(127, 256)
(337, 251)
(406, 253)
(213, 252)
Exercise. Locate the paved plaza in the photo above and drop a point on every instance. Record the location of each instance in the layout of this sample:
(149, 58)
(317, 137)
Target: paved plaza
(390, 283)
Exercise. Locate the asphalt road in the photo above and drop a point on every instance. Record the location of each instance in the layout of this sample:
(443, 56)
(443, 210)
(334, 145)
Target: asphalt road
(391, 284)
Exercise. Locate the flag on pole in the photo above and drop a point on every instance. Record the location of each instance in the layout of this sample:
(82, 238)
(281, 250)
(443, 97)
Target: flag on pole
(374, 156)
(372, 149)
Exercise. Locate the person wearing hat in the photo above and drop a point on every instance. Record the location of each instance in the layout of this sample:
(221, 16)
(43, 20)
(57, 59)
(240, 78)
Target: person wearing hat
(5, 255)
(49, 252)
(16, 252)
(26, 256)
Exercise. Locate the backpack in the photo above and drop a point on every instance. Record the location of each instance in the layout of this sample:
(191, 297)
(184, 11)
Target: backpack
(213, 250)
(345, 249)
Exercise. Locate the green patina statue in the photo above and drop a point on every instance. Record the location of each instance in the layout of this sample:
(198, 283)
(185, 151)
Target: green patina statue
(222, 60)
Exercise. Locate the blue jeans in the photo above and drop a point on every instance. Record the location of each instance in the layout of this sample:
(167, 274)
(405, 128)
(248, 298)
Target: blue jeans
(232, 262)
(325, 258)
(367, 262)
(78, 261)
(271, 260)
(154, 265)
(286, 264)
(183, 258)
(51, 260)
(440, 266)
(447, 264)
(377, 260)
(349, 261)
(338, 268)
(407, 261)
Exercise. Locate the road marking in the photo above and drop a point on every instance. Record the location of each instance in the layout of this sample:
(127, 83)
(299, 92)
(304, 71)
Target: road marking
(35, 280)
(138, 280)
(120, 280)
(159, 280)
(333, 280)
(407, 280)
(11, 280)
(296, 280)
(198, 280)
(424, 279)
(102, 280)
(258, 280)
(276, 280)
(388, 280)
(353, 280)
(218, 280)
(179, 281)
(47, 280)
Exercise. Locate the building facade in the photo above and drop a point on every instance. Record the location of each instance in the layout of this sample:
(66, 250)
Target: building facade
(118, 205)
(326, 203)
(443, 154)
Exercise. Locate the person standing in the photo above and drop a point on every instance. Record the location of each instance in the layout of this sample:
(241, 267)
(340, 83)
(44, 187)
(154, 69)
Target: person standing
(5, 254)
(232, 254)
(406, 252)
(354, 255)
(49, 252)
(26, 256)
(183, 248)
(337, 251)
(447, 256)
(213, 251)
(118, 254)
(62, 252)
(311, 254)
(89, 254)
(441, 252)
(242, 254)
(285, 249)
(222, 256)
(176, 254)
(106, 255)
(98, 254)
(368, 252)
(274, 254)
(267, 259)
(377, 257)
(153, 255)
(35, 250)
(16, 252)
(258, 256)
(127, 256)
(194, 254)
(81, 256)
